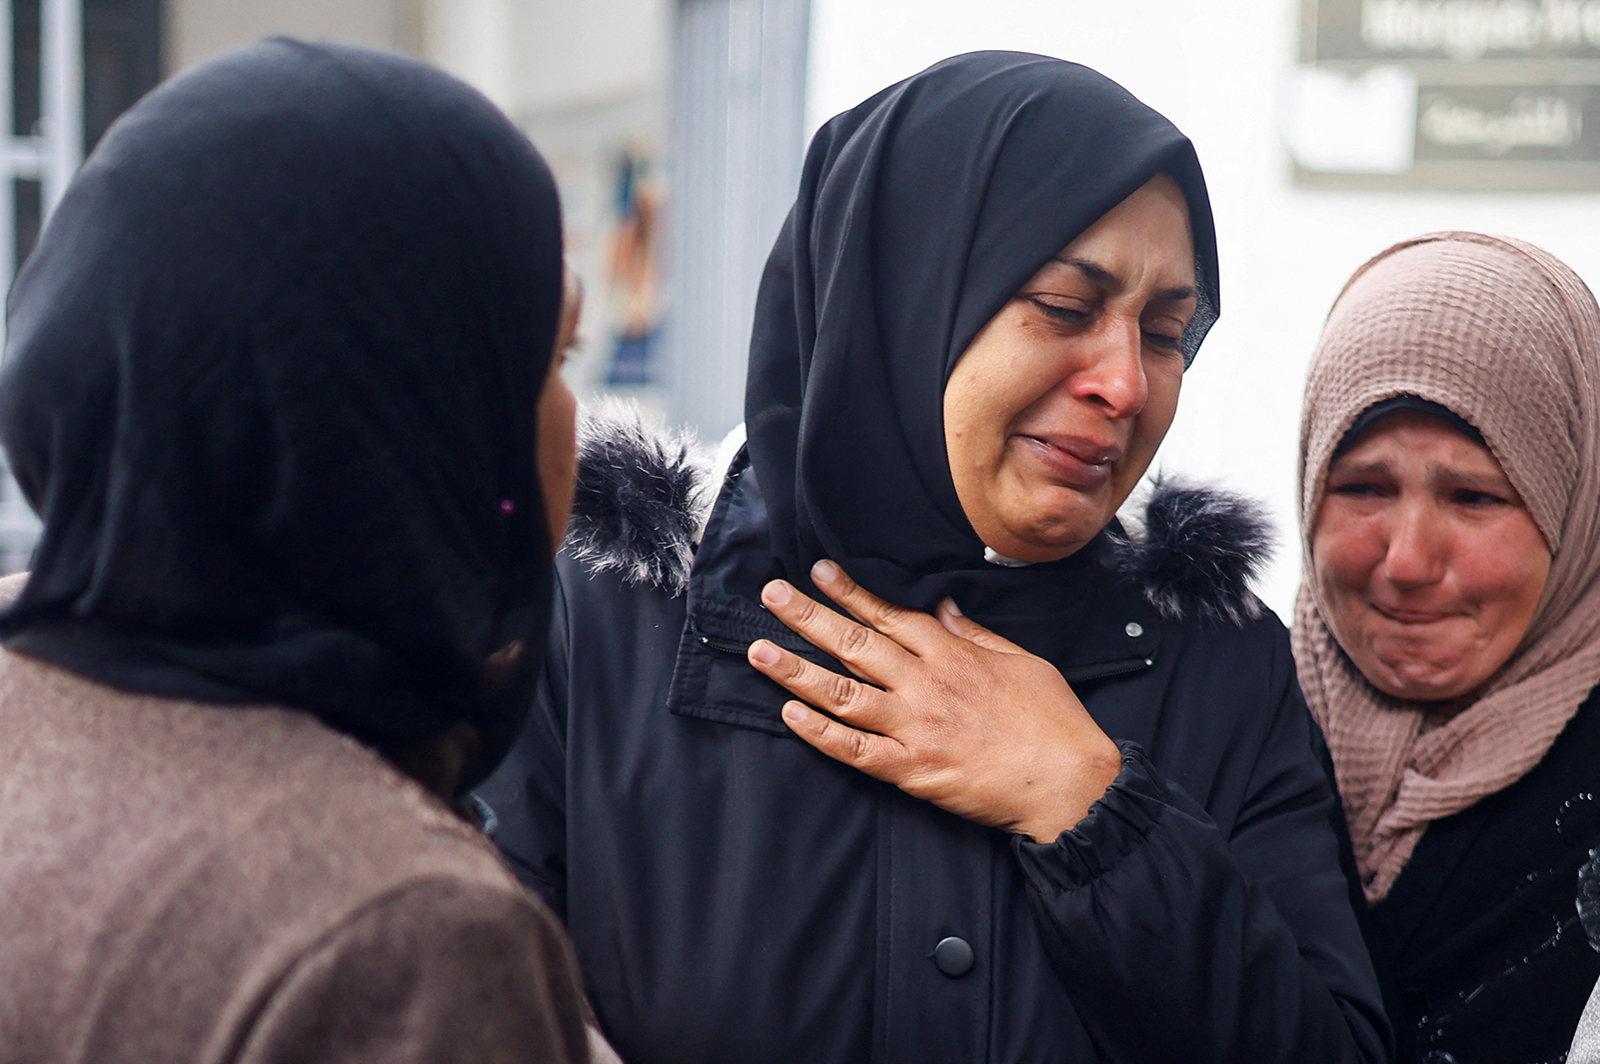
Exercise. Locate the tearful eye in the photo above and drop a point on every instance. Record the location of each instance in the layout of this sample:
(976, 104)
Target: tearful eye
(1164, 341)
(1073, 315)
(1469, 497)
(1356, 490)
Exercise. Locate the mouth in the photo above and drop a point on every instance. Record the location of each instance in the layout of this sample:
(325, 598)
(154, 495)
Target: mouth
(1401, 615)
(1073, 461)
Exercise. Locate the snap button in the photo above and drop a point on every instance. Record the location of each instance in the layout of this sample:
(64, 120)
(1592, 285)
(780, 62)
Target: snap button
(1134, 629)
(953, 956)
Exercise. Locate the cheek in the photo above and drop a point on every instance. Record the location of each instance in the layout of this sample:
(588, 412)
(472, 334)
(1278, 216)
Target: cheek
(1507, 570)
(976, 423)
(1164, 379)
(1344, 552)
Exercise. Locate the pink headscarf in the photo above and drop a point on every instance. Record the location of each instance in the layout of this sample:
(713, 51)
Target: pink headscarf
(1507, 337)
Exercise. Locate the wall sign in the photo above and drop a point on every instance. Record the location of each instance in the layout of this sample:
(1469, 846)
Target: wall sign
(1464, 94)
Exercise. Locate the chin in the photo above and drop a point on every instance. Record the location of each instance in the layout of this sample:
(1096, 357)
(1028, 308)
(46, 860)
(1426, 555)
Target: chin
(1051, 549)
(1430, 688)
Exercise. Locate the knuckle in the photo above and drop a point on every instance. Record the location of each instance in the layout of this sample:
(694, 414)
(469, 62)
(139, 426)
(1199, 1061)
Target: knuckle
(855, 641)
(891, 617)
(843, 692)
(859, 745)
(793, 668)
(805, 611)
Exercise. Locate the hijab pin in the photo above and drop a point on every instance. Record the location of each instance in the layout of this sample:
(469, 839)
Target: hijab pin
(508, 507)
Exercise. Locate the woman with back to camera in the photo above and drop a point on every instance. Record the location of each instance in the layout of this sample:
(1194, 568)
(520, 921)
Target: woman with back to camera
(282, 384)
(1448, 631)
(969, 342)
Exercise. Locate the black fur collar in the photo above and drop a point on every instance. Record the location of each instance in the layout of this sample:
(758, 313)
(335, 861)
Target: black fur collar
(643, 495)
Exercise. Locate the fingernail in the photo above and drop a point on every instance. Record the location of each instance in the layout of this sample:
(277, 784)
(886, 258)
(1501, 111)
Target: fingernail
(764, 652)
(777, 592)
(794, 712)
(951, 607)
(824, 572)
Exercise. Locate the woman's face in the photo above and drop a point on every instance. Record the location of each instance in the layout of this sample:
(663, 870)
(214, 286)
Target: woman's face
(1428, 561)
(557, 450)
(1056, 408)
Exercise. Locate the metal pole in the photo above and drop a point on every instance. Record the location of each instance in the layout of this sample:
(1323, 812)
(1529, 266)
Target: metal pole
(61, 42)
(8, 180)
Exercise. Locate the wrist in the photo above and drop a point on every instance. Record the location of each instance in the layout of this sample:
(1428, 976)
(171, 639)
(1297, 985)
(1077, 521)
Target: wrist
(1075, 791)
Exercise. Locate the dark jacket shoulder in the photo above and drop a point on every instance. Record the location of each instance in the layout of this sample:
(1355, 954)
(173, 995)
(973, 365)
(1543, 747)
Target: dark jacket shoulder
(643, 496)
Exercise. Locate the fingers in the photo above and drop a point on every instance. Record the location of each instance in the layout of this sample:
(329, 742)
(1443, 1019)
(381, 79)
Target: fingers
(908, 628)
(876, 755)
(956, 623)
(867, 653)
(863, 705)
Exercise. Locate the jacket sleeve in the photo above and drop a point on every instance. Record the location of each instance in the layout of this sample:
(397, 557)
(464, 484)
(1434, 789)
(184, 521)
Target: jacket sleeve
(1181, 943)
(528, 791)
(437, 972)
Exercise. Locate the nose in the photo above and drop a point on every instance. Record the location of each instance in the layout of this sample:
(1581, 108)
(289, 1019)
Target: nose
(1415, 550)
(1112, 375)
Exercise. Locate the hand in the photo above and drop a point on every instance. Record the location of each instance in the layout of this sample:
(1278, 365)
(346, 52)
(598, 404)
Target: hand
(950, 712)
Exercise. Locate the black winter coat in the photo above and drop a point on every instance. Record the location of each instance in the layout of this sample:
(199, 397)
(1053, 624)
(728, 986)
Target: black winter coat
(736, 896)
(1485, 938)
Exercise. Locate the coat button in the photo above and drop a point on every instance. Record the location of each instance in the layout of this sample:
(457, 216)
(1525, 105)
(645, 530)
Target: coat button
(1134, 629)
(953, 956)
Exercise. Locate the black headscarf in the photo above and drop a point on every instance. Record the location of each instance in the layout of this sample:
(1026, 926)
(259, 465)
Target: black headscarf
(271, 385)
(921, 213)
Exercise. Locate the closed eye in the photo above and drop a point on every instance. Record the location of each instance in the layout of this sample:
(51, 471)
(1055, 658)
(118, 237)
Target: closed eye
(1357, 489)
(1164, 341)
(1070, 315)
(1477, 499)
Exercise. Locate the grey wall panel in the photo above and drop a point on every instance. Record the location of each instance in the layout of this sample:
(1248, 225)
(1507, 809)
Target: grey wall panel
(738, 113)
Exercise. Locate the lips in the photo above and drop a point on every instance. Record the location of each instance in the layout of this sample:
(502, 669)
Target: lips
(1401, 615)
(1073, 461)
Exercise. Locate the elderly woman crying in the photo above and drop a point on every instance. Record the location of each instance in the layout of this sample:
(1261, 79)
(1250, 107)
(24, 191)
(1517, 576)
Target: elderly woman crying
(1448, 630)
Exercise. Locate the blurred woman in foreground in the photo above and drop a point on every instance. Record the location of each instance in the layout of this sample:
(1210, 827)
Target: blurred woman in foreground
(282, 386)
(1448, 631)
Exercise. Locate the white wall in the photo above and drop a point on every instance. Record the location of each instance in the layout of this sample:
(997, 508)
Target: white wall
(535, 56)
(1219, 70)
(198, 29)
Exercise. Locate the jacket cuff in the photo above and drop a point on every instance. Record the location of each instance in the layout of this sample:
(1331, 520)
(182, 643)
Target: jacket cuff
(1115, 824)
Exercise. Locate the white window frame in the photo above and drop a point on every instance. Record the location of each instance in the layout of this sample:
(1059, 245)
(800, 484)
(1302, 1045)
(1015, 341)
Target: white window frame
(51, 155)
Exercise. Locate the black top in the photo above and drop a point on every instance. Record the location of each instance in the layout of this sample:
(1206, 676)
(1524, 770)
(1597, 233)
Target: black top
(271, 385)
(1480, 940)
(921, 212)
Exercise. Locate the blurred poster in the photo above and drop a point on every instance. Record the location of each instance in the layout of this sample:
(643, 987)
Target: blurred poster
(634, 276)
(1451, 94)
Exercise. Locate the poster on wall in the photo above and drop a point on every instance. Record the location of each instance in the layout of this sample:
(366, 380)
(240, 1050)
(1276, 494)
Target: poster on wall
(1447, 94)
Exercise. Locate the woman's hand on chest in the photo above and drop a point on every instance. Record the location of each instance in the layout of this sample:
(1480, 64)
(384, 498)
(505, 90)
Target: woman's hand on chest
(940, 707)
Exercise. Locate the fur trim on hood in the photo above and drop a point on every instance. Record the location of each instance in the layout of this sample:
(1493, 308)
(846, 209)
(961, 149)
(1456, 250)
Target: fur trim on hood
(643, 495)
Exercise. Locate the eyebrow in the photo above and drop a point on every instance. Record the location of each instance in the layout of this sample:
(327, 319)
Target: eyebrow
(1100, 275)
(1487, 482)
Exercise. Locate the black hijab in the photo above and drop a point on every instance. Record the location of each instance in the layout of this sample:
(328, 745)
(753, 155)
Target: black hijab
(271, 385)
(921, 213)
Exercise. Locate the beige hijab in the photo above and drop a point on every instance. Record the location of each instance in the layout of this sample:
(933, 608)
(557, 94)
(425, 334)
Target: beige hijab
(1507, 337)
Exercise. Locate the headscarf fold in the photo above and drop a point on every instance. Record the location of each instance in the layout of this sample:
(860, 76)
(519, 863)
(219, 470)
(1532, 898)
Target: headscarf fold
(1508, 338)
(921, 212)
(271, 386)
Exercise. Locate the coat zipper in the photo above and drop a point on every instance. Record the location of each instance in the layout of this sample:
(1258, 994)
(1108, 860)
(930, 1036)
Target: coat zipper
(1108, 669)
(727, 646)
(1091, 672)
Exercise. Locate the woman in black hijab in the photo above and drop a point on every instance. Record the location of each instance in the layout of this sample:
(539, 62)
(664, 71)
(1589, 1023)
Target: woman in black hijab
(282, 385)
(968, 343)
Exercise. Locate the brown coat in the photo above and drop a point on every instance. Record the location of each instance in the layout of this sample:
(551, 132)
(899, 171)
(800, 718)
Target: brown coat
(183, 882)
